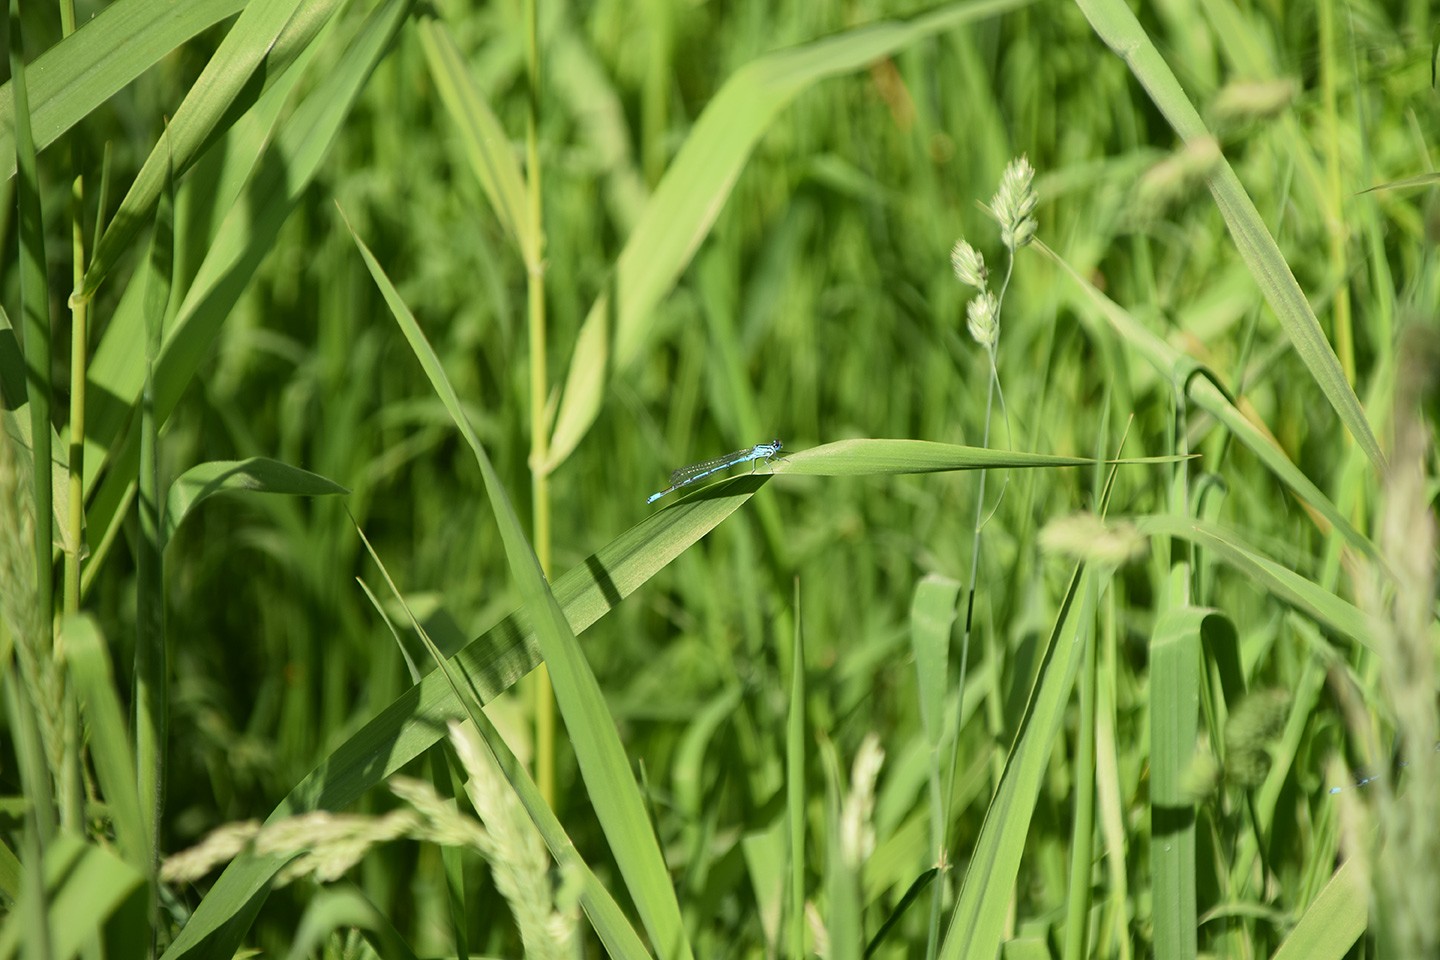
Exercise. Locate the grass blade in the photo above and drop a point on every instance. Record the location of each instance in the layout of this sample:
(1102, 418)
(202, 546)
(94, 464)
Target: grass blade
(255, 475)
(1114, 23)
(979, 917)
(1325, 607)
(487, 146)
(103, 56)
(211, 101)
(1333, 922)
(606, 770)
(1174, 721)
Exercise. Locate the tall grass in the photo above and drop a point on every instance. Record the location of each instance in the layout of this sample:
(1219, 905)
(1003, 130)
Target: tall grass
(315, 246)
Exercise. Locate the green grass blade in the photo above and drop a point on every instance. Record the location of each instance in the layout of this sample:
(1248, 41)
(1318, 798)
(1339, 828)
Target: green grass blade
(152, 662)
(84, 886)
(109, 748)
(932, 618)
(978, 921)
(1114, 23)
(243, 240)
(104, 55)
(872, 457)
(487, 146)
(1174, 721)
(1204, 391)
(1333, 922)
(1226, 545)
(255, 475)
(612, 789)
(795, 792)
(694, 189)
(212, 99)
(35, 327)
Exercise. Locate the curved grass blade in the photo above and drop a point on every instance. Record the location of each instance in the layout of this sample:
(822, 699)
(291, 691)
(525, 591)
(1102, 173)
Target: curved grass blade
(694, 190)
(487, 146)
(1114, 23)
(255, 475)
(1203, 390)
(1333, 921)
(1325, 607)
(109, 747)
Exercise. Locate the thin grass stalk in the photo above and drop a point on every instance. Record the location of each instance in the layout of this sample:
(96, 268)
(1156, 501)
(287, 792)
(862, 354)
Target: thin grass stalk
(1013, 207)
(795, 786)
(543, 694)
(1336, 226)
(79, 339)
(45, 682)
(1082, 832)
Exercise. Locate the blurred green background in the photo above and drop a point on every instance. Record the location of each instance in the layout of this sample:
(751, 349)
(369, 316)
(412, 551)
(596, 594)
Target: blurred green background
(820, 306)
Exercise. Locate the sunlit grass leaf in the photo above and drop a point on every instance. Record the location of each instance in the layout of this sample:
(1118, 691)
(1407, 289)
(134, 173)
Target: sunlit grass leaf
(694, 189)
(977, 924)
(100, 58)
(487, 147)
(255, 475)
(1114, 22)
(1334, 920)
(211, 101)
(1174, 721)
(1325, 607)
(85, 885)
(932, 617)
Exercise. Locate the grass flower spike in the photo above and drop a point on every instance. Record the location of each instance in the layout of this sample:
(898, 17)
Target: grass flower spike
(969, 265)
(1014, 204)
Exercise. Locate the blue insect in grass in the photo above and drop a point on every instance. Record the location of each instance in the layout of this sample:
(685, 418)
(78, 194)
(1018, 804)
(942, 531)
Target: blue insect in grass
(699, 471)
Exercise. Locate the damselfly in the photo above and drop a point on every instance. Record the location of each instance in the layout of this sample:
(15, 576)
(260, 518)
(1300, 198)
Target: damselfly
(698, 471)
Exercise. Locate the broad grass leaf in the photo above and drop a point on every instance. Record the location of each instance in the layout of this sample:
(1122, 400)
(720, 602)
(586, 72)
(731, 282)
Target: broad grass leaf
(1174, 721)
(487, 147)
(85, 885)
(89, 662)
(978, 922)
(1334, 920)
(932, 617)
(1226, 545)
